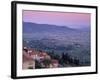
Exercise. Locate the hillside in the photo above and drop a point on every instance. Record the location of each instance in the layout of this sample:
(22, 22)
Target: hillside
(59, 39)
(34, 27)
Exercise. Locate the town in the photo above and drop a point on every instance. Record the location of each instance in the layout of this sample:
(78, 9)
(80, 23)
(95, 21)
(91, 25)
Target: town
(33, 59)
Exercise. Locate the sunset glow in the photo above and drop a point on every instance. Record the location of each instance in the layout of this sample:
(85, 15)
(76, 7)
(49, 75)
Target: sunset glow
(70, 19)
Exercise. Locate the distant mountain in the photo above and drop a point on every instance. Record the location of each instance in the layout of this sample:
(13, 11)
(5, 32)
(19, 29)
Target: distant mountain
(34, 27)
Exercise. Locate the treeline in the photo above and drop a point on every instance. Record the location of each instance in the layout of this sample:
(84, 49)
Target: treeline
(65, 59)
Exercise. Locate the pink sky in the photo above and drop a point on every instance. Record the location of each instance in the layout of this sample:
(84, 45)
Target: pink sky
(74, 20)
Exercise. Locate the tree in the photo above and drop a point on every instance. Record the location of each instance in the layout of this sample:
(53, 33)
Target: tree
(37, 64)
(46, 62)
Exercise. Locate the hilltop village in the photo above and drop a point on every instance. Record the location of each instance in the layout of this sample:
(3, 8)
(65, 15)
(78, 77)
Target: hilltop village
(33, 59)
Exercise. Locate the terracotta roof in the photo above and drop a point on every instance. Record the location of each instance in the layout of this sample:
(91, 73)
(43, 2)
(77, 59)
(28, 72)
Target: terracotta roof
(54, 61)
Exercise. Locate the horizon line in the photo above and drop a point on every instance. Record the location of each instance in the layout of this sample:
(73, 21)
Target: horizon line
(68, 26)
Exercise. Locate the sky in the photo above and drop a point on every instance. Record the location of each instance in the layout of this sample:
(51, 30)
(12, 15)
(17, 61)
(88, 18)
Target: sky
(69, 19)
